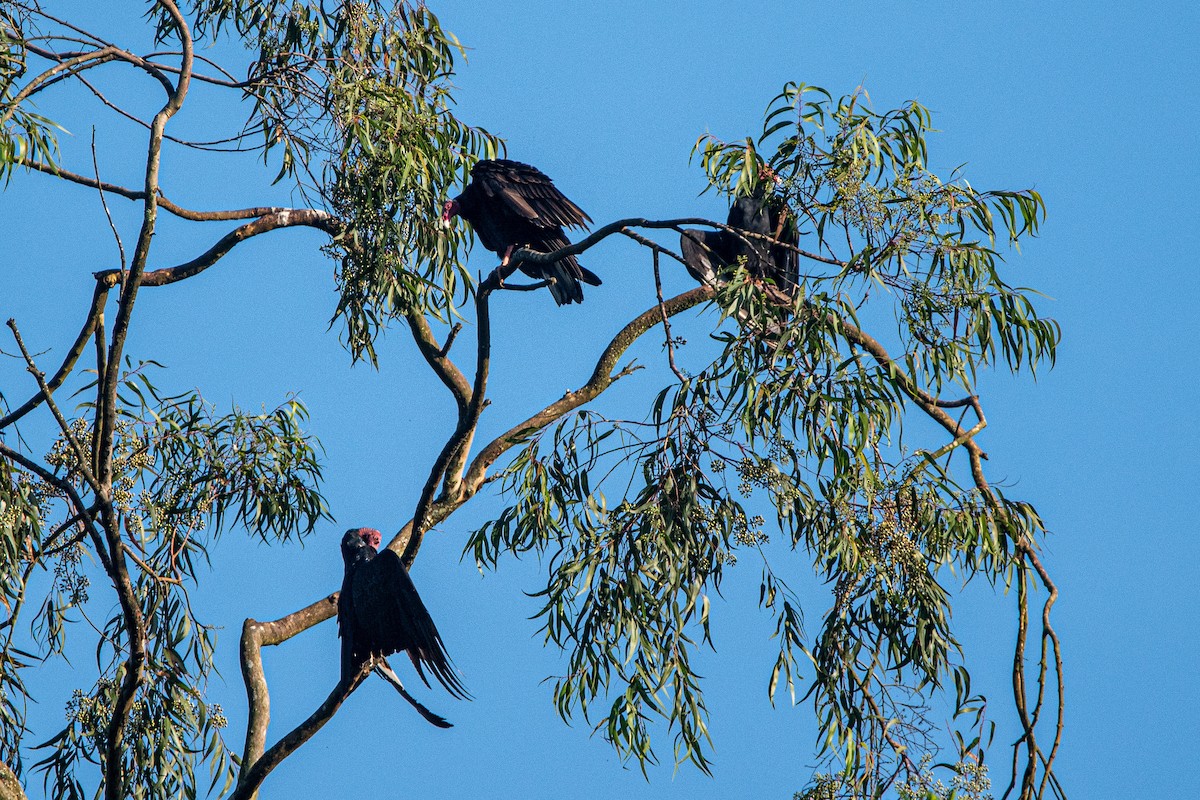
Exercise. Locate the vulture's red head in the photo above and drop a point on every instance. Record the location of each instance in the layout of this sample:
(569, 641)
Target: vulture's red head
(450, 209)
(370, 537)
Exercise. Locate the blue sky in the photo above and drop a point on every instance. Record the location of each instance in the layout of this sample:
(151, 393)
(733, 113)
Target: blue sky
(1092, 104)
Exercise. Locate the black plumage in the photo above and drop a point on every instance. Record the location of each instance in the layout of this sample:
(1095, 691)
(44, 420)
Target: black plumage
(380, 613)
(511, 205)
(711, 255)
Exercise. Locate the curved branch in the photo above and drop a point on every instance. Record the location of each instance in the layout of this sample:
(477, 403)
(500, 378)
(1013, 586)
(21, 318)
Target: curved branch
(438, 358)
(134, 623)
(467, 420)
(112, 53)
(71, 65)
(89, 327)
(138, 194)
(255, 636)
(285, 218)
(251, 779)
(535, 257)
(411, 536)
(928, 403)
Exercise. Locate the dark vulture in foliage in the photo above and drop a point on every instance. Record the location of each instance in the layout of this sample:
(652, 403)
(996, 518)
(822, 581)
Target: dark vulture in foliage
(511, 205)
(380, 613)
(711, 255)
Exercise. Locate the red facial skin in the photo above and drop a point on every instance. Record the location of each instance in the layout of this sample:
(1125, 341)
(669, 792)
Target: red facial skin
(371, 536)
(449, 210)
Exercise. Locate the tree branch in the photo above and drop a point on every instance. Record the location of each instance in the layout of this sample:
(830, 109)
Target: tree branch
(602, 377)
(252, 779)
(89, 327)
(467, 420)
(670, 343)
(255, 636)
(135, 629)
(620, 226)
(928, 403)
(81, 509)
(437, 356)
(285, 218)
(68, 67)
(138, 194)
(81, 458)
(10, 787)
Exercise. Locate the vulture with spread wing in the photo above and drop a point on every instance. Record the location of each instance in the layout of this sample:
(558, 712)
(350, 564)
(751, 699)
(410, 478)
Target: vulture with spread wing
(710, 255)
(511, 205)
(380, 613)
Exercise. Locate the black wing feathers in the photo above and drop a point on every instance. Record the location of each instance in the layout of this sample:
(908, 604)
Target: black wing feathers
(704, 254)
(389, 617)
(510, 204)
(709, 254)
(528, 193)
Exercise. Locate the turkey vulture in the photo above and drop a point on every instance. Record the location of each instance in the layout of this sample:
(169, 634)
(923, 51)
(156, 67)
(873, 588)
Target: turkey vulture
(710, 255)
(380, 612)
(511, 205)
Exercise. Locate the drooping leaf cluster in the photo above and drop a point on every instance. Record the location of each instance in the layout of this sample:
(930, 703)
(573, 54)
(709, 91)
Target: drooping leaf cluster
(800, 418)
(24, 134)
(354, 100)
(861, 187)
(183, 474)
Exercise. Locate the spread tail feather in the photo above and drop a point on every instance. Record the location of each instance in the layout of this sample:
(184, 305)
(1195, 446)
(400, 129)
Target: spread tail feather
(564, 286)
(384, 670)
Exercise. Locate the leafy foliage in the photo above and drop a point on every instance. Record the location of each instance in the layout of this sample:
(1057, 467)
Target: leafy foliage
(183, 475)
(354, 100)
(784, 445)
(801, 413)
(24, 134)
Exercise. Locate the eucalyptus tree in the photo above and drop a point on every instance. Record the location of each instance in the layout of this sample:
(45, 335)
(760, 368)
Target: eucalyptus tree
(786, 448)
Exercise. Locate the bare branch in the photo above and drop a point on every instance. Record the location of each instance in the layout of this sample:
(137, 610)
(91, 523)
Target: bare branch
(94, 58)
(81, 458)
(437, 358)
(670, 343)
(286, 218)
(465, 429)
(89, 327)
(252, 778)
(255, 636)
(134, 623)
(535, 257)
(163, 202)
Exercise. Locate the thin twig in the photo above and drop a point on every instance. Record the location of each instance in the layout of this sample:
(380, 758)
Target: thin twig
(670, 342)
(445, 351)
(94, 317)
(104, 203)
(163, 202)
(81, 458)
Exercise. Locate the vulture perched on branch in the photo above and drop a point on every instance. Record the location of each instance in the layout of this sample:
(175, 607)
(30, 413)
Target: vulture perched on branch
(380, 613)
(511, 205)
(711, 255)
